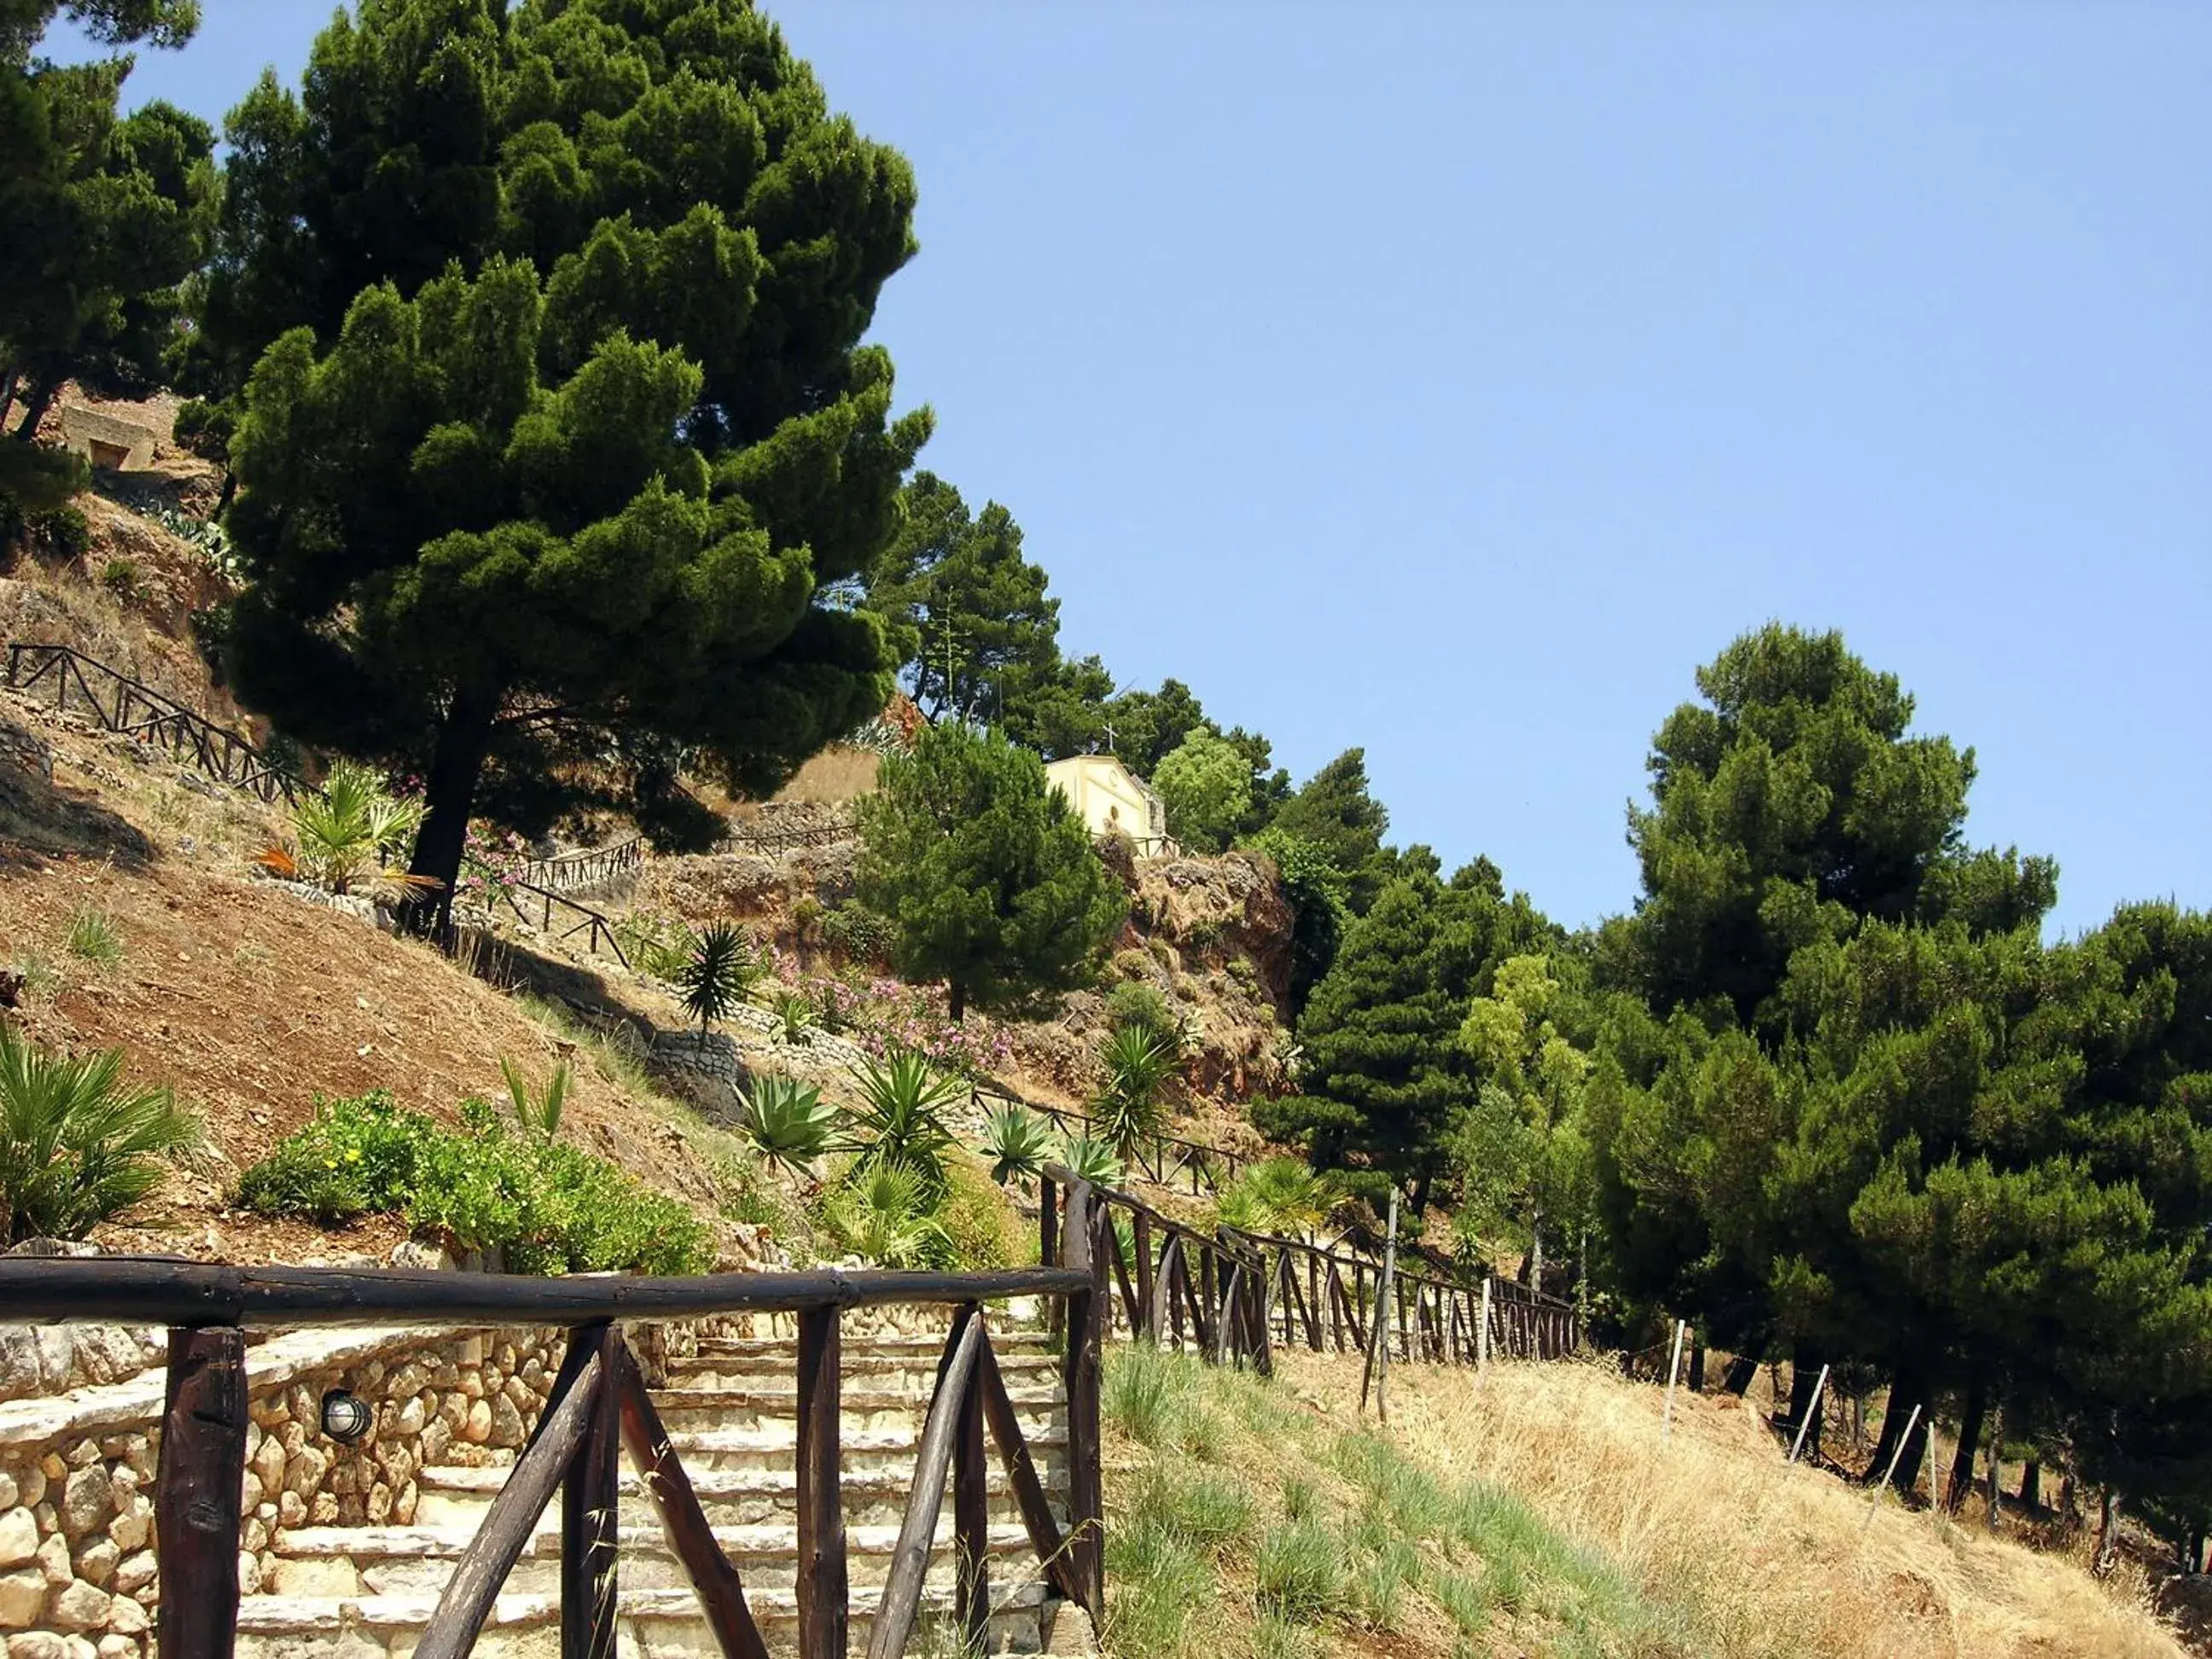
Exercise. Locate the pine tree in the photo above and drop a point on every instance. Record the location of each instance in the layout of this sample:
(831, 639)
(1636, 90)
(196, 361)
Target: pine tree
(987, 877)
(558, 453)
(1334, 810)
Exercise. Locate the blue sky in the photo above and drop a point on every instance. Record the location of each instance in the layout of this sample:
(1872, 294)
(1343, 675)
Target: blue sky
(1453, 379)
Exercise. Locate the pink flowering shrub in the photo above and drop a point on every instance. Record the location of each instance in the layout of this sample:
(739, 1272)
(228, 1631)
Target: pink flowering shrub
(882, 1015)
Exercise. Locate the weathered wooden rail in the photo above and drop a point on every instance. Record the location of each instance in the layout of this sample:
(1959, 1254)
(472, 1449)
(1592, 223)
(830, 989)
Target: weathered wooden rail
(135, 710)
(1163, 1159)
(587, 866)
(1238, 1293)
(559, 917)
(752, 836)
(598, 1406)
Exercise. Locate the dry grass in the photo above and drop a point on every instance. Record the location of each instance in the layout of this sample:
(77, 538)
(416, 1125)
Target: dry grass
(837, 774)
(1760, 1558)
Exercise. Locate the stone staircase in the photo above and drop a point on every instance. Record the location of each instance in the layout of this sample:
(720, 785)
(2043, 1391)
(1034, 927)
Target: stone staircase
(362, 1591)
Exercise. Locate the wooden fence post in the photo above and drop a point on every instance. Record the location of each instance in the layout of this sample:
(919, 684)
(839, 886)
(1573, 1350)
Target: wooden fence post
(1141, 1227)
(589, 1537)
(1673, 1367)
(1378, 1347)
(196, 1488)
(822, 1577)
(972, 1520)
(1086, 1495)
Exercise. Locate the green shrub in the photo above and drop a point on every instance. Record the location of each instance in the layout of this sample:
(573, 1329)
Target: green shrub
(859, 933)
(881, 1212)
(1137, 1003)
(351, 834)
(787, 1121)
(797, 1014)
(981, 1229)
(1280, 1195)
(120, 578)
(901, 1116)
(92, 937)
(545, 1206)
(657, 946)
(65, 533)
(77, 1144)
(1139, 1062)
(1090, 1160)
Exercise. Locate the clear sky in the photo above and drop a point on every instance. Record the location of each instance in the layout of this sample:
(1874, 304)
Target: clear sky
(1453, 379)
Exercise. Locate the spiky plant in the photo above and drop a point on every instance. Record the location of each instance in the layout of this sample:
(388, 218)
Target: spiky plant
(901, 1116)
(797, 1014)
(1090, 1160)
(78, 1143)
(1017, 1140)
(1139, 1062)
(882, 1212)
(538, 1114)
(715, 978)
(787, 1119)
(353, 834)
(1280, 1195)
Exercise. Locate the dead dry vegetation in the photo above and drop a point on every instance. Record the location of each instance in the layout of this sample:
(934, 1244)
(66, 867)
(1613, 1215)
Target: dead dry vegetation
(1538, 1509)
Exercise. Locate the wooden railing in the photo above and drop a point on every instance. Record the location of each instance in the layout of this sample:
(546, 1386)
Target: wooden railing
(557, 916)
(122, 704)
(598, 1406)
(1166, 1160)
(587, 866)
(755, 836)
(1237, 1292)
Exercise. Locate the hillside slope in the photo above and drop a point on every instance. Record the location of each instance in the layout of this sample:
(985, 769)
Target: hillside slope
(1540, 1510)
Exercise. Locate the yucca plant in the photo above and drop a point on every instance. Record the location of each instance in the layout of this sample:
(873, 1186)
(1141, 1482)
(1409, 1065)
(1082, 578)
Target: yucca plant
(538, 1114)
(1090, 1160)
(1017, 1140)
(787, 1119)
(78, 1143)
(1139, 1062)
(351, 835)
(715, 978)
(901, 1116)
(797, 1014)
(1280, 1195)
(92, 937)
(882, 1213)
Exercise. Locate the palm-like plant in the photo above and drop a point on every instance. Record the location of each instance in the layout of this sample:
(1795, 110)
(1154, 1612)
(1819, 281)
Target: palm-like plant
(715, 978)
(786, 1119)
(1280, 1195)
(1090, 1160)
(1017, 1140)
(539, 1114)
(351, 834)
(883, 1214)
(797, 1014)
(901, 1116)
(1137, 1063)
(78, 1143)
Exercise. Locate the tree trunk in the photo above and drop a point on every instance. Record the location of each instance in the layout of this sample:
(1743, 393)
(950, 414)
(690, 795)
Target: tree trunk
(1996, 1458)
(7, 378)
(1970, 1434)
(957, 994)
(1535, 1247)
(2108, 1534)
(2031, 1484)
(1694, 1372)
(1738, 1378)
(449, 792)
(1907, 1390)
(1805, 1362)
(230, 492)
(43, 393)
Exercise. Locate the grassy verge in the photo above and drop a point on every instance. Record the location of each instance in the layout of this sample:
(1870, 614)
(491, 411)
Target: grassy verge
(1540, 1511)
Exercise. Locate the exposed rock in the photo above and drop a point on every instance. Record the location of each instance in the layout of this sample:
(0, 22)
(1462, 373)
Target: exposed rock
(79, 1606)
(22, 1597)
(134, 1524)
(19, 1537)
(125, 1617)
(38, 1645)
(96, 1561)
(136, 1572)
(88, 1498)
(506, 1428)
(54, 1560)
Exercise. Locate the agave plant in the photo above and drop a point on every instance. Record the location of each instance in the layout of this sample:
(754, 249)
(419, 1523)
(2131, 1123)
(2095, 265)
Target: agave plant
(1139, 1062)
(78, 1143)
(716, 976)
(1280, 1195)
(786, 1119)
(901, 1116)
(350, 836)
(1090, 1160)
(882, 1213)
(539, 1114)
(1017, 1140)
(797, 1014)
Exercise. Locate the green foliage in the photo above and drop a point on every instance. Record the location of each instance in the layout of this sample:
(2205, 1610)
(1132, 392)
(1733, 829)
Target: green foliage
(986, 873)
(714, 979)
(982, 1231)
(1137, 1063)
(1301, 1573)
(1018, 1142)
(1335, 811)
(1207, 783)
(857, 932)
(352, 834)
(1320, 894)
(65, 533)
(1281, 1196)
(796, 1013)
(1138, 1005)
(120, 577)
(1090, 1160)
(657, 946)
(900, 1117)
(577, 293)
(79, 1145)
(536, 1112)
(92, 937)
(885, 1212)
(546, 1206)
(787, 1121)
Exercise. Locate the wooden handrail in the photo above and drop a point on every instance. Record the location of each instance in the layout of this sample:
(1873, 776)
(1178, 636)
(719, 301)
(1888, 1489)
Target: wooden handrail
(162, 1291)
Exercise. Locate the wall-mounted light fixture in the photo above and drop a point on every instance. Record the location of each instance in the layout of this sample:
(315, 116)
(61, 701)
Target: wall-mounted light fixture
(346, 1416)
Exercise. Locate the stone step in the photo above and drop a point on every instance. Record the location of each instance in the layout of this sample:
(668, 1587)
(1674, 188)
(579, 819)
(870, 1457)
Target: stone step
(696, 1410)
(867, 1449)
(926, 1345)
(347, 1561)
(454, 1497)
(917, 1370)
(664, 1623)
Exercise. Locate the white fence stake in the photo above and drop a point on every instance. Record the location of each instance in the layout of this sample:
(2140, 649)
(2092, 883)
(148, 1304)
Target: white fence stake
(1896, 1453)
(1819, 1382)
(1674, 1366)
